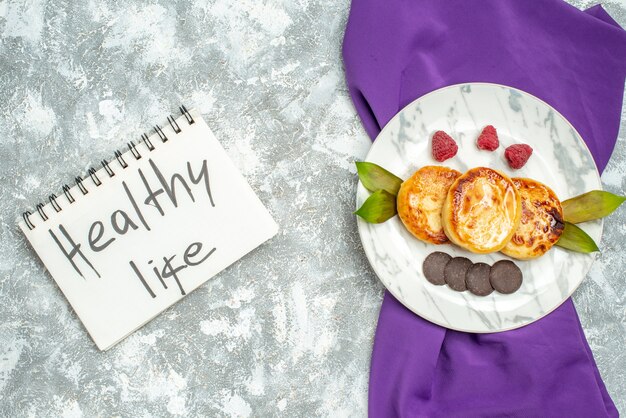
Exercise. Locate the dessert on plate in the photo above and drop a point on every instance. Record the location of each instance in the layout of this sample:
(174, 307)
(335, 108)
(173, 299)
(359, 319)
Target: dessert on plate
(482, 210)
(541, 224)
(421, 199)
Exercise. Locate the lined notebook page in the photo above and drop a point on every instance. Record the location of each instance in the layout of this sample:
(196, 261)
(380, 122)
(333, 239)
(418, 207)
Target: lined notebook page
(152, 233)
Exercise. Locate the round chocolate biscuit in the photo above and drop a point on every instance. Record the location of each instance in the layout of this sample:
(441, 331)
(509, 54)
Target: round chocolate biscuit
(505, 277)
(477, 279)
(433, 267)
(454, 273)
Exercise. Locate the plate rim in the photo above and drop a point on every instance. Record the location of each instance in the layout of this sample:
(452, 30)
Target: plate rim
(360, 222)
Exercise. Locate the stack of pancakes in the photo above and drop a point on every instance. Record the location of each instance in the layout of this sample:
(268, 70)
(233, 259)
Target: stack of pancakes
(482, 210)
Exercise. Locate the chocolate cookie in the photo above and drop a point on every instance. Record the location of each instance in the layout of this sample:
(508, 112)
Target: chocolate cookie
(454, 273)
(433, 267)
(505, 276)
(477, 279)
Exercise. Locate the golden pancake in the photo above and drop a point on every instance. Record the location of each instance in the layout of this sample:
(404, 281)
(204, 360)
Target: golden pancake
(482, 210)
(420, 200)
(541, 225)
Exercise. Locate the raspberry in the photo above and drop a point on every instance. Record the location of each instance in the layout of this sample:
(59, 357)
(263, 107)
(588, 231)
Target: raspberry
(517, 155)
(444, 146)
(488, 139)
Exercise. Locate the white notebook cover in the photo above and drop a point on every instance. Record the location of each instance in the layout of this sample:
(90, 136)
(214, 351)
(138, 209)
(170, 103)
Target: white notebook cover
(121, 232)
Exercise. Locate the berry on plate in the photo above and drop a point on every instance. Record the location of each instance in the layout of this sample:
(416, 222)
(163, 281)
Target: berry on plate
(443, 146)
(517, 155)
(488, 139)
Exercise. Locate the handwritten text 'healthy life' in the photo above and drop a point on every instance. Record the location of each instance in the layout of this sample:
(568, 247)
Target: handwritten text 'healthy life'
(99, 237)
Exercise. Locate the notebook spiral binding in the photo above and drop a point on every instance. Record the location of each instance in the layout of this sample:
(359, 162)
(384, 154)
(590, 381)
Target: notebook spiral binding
(107, 168)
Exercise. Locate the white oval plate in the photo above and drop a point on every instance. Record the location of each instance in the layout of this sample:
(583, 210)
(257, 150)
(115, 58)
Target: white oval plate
(560, 159)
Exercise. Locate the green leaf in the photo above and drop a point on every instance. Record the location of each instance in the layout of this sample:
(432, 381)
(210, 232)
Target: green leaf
(374, 177)
(380, 206)
(592, 205)
(575, 239)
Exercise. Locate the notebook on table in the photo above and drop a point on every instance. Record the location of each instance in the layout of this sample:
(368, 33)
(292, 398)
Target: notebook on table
(128, 240)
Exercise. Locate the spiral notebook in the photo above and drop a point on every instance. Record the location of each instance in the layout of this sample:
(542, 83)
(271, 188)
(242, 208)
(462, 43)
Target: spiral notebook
(149, 226)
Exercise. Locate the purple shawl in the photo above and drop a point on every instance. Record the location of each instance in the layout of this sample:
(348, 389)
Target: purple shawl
(397, 50)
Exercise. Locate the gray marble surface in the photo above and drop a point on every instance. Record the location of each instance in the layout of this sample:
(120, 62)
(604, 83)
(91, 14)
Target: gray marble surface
(287, 330)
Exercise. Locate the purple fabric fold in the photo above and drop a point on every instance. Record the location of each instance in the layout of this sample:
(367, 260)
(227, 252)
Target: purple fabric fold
(394, 52)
